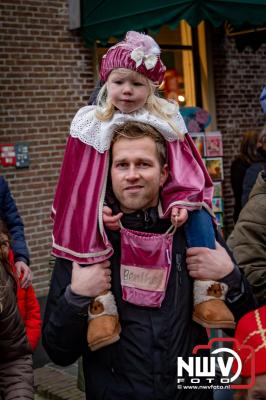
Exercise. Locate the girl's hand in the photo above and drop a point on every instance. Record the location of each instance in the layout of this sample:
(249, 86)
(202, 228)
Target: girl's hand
(23, 269)
(178, 216)
(111, 221)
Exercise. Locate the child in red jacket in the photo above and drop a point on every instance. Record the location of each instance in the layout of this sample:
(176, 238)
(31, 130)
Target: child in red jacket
(28, 305)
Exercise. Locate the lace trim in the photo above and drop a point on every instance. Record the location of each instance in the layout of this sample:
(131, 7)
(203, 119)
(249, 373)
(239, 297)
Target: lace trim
(188, 205)
(89, 130)
(77, 254)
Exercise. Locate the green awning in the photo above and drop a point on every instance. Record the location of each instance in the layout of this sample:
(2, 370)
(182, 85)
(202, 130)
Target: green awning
(102, 19)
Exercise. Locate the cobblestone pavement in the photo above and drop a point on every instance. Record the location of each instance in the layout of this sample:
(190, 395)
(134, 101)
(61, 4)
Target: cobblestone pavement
(56, 384)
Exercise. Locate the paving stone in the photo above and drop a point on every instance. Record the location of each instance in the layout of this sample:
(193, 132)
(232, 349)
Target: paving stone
(55, 384)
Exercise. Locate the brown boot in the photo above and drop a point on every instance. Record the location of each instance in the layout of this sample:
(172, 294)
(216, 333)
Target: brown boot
(210, 309)
(104, 327)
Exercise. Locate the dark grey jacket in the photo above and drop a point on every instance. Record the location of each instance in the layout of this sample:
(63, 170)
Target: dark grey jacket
(16, 373)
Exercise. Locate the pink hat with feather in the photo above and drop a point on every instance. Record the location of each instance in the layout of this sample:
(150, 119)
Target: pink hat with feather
(137, 52)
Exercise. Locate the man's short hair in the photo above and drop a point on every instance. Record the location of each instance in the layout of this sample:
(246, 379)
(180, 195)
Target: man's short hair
(137, 130)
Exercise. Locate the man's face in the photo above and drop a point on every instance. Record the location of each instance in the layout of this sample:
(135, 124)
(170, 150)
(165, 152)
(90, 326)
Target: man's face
(136, 173)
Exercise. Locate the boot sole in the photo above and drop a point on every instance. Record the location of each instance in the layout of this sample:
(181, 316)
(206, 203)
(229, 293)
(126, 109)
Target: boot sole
(217, 325)
(106, 342)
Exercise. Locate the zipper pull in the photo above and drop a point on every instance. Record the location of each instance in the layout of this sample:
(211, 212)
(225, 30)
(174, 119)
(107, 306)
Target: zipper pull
(146, 216)
(178, 267)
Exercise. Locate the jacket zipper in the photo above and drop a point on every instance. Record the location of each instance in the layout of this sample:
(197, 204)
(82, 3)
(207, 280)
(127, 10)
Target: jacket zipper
(178, 268)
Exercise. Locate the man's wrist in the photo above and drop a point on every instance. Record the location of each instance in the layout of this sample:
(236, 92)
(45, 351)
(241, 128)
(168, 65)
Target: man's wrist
(76, 299)
(234, 282)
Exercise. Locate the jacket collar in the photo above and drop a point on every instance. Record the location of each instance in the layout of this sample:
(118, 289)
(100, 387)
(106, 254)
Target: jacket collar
(147, 220)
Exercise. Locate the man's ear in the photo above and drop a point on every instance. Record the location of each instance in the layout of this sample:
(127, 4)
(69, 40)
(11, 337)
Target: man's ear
(164, 174)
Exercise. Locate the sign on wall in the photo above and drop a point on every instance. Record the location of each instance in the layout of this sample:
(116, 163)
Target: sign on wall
(14, 155)
(7, 155)
(22, 155)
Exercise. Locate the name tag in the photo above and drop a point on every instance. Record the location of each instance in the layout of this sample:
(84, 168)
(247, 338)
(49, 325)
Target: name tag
(143, 278)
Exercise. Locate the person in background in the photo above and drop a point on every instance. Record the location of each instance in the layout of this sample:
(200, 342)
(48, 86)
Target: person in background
(28, 304)
(253, 171)
(16, 373)
(247, 156)
(9, 214)
(251, 331)
(263, 99)
(248, 240)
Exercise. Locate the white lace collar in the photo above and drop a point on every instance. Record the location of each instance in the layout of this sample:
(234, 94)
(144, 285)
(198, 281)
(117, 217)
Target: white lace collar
(88, 129)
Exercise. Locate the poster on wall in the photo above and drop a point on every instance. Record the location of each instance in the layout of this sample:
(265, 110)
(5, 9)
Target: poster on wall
(7, 155)
(215, 168)
(219, 219)
(217, 189)
(213, 144)
(217, 204)
(199, 139)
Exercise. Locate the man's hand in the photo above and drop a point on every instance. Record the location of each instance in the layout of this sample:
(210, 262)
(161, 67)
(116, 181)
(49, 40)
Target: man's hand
(22, 268)
(92, 280)
(111, 221)
(178, 216)
(205, 263)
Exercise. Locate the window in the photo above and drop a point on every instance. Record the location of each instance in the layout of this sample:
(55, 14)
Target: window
(177, 55)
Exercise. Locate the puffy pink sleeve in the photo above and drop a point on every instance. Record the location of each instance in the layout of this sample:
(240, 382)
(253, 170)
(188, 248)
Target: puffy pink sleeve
(77, 207)
(189, 184)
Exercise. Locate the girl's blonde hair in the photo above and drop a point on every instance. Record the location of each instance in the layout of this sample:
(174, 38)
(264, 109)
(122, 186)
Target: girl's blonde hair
(156, 105)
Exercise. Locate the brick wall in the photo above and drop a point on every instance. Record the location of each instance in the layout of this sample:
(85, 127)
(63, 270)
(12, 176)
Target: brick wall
(239, 78)
(46, 75)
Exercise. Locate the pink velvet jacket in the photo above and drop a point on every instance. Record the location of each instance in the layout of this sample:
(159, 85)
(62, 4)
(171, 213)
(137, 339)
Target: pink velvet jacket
(78, 232)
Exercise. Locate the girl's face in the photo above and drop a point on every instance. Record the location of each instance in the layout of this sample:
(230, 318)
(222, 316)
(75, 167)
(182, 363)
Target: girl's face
(127, 90)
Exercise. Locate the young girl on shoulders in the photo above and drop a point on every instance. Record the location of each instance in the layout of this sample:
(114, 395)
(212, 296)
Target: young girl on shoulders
(131, 72)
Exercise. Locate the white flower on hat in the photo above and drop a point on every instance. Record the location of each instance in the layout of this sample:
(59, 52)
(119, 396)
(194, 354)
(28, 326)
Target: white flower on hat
(139, 56)
(150, 61)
